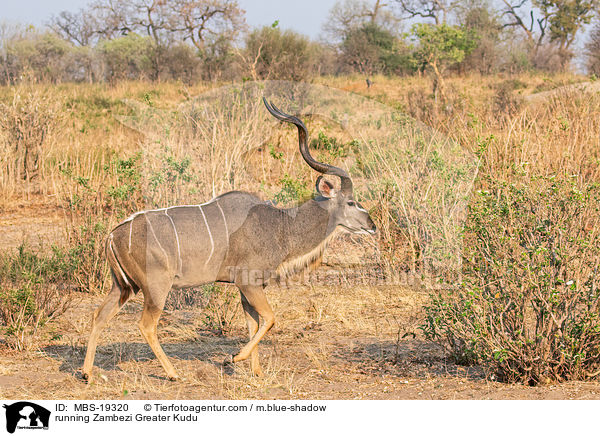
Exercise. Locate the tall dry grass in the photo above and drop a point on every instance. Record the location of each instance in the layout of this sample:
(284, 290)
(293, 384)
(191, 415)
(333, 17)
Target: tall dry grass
(196, 143)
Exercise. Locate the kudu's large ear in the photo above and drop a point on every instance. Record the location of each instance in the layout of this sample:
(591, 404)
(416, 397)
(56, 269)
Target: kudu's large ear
(325, 188)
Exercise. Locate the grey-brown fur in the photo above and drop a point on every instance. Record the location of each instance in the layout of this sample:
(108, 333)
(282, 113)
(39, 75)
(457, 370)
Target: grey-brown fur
(235, 238)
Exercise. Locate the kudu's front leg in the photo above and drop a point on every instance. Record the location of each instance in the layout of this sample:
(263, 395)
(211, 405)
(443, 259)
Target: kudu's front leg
(253, 321)
(255, 304)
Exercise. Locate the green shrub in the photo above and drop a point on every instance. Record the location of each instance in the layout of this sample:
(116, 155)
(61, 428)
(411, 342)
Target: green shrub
(129, 57)
(333, 146)
(92, 212)
(171, 179)
(32, 291)
(528, 308)
(292, 191)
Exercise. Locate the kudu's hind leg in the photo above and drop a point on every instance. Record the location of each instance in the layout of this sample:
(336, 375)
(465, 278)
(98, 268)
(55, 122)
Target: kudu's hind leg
(256, 298)
(253, 321)
(153, 307)
(107, 310)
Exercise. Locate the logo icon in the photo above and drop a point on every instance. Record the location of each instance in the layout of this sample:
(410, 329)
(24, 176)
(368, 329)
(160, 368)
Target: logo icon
(26, 415)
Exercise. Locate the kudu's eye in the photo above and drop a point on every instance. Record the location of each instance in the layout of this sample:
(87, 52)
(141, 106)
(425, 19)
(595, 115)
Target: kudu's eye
(351, 203)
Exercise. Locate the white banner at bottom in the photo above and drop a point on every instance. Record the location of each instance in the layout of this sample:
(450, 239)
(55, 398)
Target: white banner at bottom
(79, 417)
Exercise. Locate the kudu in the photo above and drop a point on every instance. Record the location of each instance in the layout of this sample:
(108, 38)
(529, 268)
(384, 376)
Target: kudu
(234, 238)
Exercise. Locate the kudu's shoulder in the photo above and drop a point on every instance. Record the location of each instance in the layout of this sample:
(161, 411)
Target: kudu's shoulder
(238, 198)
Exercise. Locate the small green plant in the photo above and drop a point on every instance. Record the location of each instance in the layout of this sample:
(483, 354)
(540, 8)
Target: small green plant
(166, 183)
(125, 195)
(277, 155)
(292, 191)
(333, 146)
(86, 253)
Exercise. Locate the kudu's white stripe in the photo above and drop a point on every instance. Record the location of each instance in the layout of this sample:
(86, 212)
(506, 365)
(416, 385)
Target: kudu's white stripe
(212, 243)
(166, 208)
(130, 227)
(179, 265)
(225, 222)
(156, 238)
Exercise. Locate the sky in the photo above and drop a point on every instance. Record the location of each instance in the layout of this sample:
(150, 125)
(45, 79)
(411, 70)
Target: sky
(304, 16)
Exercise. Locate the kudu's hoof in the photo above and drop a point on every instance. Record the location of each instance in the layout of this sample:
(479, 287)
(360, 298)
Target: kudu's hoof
(228, 361)
(173, 377)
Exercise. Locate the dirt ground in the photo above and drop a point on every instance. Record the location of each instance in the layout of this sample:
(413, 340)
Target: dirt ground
(329, 342)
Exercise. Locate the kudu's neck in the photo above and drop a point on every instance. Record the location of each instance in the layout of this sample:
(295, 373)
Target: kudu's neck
(308, 226)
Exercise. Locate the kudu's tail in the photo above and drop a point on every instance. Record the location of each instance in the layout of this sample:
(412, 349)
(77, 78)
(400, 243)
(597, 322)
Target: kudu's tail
(119, 274)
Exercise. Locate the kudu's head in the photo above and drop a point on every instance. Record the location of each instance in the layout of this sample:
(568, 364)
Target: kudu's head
(342, 208)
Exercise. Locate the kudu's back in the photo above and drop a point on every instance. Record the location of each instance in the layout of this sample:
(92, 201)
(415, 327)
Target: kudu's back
(188, 244)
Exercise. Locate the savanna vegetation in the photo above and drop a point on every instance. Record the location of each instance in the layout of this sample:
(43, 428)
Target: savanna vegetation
(119, 107)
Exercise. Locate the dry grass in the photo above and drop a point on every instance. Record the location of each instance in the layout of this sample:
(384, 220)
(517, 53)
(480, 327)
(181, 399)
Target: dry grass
(349, 354)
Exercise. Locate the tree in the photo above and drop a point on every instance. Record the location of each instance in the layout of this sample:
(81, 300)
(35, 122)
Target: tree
(128, 57)
(208, 26)
(477, 17)
(43, 54)
(271, 53)
(437, 10)
(371, 49)
(440, 47)
(592, 51)
(513, 11)
(161, 20)
(561, 20)
(9, 33)
(80, 28)
(200, 21)
(218, 60)
(566, 17)
(349, 15)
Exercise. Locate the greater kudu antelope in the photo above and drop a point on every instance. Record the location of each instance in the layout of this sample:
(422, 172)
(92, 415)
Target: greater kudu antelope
(235, 238)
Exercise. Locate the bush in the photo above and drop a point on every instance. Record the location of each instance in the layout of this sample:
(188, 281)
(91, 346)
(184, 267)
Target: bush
(279, 55)
(44, 54)
(293, 191)
(32, 292)
(128, 57)
(371, 49)
(528, 309)
(334, 147)
(179, 62)
(505, 100)
(222, 305)
(89, 223)
(485, 57)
